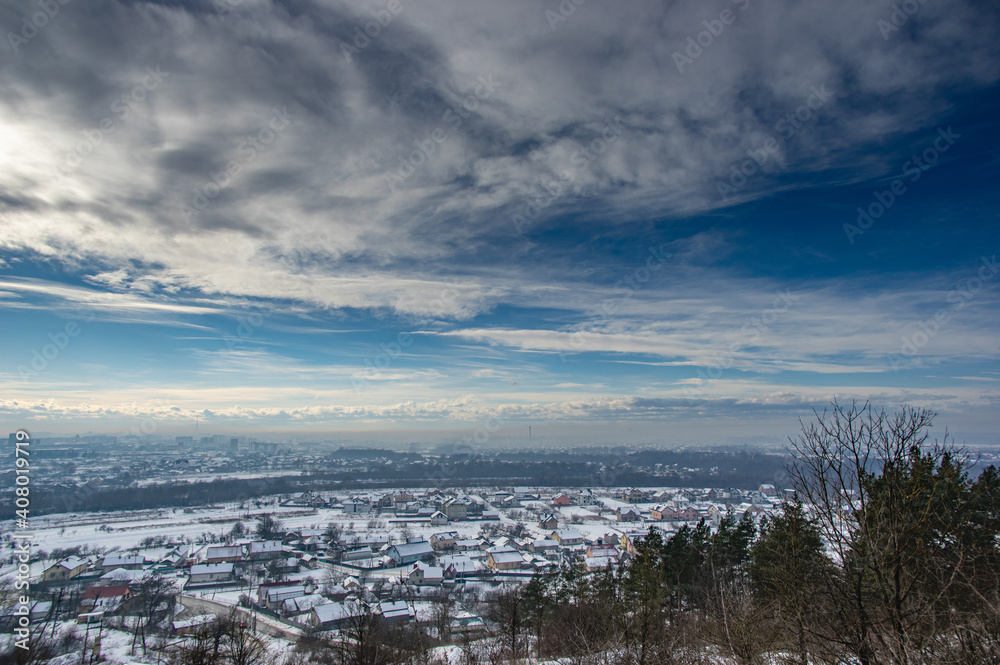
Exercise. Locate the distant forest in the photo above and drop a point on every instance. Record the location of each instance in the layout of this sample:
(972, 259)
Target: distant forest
(368, 469)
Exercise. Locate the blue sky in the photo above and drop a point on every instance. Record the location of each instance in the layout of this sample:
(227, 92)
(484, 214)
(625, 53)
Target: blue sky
(253, 214)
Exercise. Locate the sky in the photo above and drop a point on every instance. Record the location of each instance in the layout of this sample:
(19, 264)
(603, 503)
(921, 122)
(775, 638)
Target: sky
(671, 222)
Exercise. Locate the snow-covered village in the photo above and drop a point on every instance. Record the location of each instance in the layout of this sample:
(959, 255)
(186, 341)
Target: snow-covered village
(138, 586)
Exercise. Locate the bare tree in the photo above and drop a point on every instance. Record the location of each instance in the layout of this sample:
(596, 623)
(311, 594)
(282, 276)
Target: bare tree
(242, 644)
(878, 491)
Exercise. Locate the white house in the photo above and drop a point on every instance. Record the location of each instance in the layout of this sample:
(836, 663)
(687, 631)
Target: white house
(128, 561)
(211, 572)
(333, 615)
(423, 575)
(357, 506)
(409, 553)
(393, 611)
(265, 549)
(567, 537)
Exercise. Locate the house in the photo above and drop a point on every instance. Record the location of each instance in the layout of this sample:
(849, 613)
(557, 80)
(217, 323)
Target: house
(357, 554)
(266, 587)
(467, 624)
(767, 490)
(404, 555)
(311, 544)
(662, 513)
(455, 510)
(438, 518)
(357, 507)
(396, 611)
(543, 546)
(127, 561)
(567, 537)
(548, 522)
(594, 564)
(504, 560)
(633, 495)
(562, 500)
(66, 569)
(468, 545)
(588, 498)
(372, 540)
(231, 554)
(627, 515)
(277, 596)
(211, 572)
(302, 604)
(602, 550)
(473, 508)
(445, 540)
(628, 540)
(510, 502)
(423, 575)
(188, 626)
(120, 576)
(264, 550)
(334, 615)
(285, 565)
(459, 566)
(107, 599)
(36, 612)
(177, 557)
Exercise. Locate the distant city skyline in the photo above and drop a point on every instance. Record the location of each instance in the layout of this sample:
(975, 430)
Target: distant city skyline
(685, 225)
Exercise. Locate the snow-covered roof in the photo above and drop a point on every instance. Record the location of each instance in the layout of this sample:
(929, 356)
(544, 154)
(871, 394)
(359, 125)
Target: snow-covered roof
(265, 546)
(414, 549)
(223, 551)
(283, 593)
(208, 568)
(123, 560)
(72, 562)
(506, 557)
(301, 604)
(336, 611)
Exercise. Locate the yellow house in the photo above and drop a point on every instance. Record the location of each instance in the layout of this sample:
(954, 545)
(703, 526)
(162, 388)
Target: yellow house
(66, 569)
